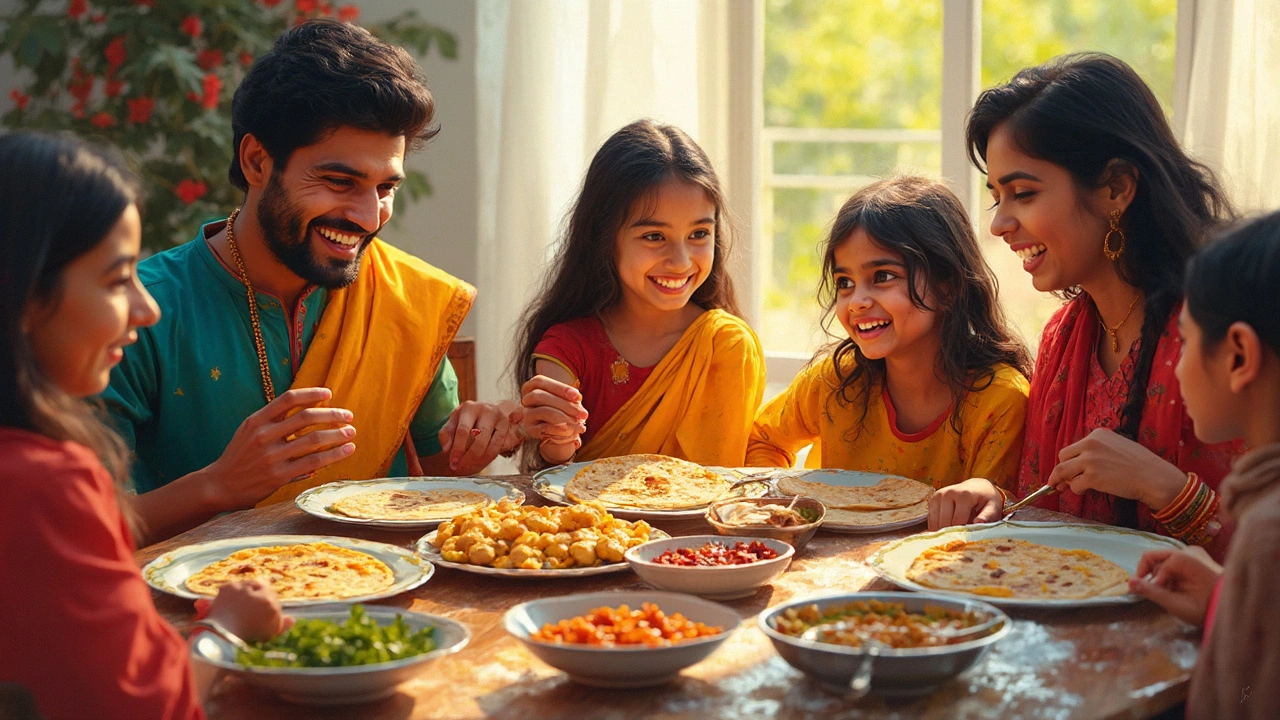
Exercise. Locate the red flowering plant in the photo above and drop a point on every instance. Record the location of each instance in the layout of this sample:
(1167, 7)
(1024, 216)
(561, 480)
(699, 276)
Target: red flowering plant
(155, 80)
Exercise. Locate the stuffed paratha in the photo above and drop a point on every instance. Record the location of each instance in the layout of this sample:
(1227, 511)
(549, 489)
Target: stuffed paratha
(646, 482)
(1004, 567)
(302, 571)
(410, 504)
(890, 493)
(878, 517)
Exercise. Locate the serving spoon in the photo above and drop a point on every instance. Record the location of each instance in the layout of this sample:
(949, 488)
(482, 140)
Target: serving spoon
(860, 683)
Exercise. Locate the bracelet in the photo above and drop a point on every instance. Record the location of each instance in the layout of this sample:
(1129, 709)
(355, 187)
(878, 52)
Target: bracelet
(1192, 516)
(1180, 502)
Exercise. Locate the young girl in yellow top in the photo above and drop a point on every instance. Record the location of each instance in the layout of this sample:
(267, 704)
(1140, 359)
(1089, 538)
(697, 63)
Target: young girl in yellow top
(635, 344)
(929, 384)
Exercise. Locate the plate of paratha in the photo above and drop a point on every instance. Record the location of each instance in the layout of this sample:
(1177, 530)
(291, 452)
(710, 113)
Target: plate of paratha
(643, 487)
(302, 569)
(404, 503)
(861, 502)
(1029, 564)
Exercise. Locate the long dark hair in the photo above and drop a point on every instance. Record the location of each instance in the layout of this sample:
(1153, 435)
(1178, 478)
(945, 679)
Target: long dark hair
(625, 172)
(1081, 112)
(61, 197)
(924, 222)
(1237, 279)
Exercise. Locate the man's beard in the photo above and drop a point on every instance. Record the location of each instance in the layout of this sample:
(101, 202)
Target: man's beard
(282, 225)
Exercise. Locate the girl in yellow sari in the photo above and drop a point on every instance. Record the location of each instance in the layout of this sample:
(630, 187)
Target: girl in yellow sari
(634, 345)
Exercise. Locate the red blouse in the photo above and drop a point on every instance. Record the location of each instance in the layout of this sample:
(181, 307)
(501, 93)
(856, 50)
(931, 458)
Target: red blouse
(606, 380)
(1071, 396)
(80, 631)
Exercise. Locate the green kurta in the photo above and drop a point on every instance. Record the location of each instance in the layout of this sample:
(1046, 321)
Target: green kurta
(184, 388)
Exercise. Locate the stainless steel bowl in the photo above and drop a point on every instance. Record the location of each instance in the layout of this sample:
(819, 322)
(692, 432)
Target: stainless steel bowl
(797, 536)
(895, 672)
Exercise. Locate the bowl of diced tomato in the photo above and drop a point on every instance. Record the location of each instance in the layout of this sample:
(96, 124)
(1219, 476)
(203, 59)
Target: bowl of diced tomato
(711, 566)
(621, 639)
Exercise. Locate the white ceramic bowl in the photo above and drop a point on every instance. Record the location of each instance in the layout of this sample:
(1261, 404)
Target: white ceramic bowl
(338, 685)
(619, 667)
(718, 582)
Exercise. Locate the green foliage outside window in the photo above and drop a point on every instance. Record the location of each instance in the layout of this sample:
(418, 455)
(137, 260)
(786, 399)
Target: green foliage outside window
(155, 78)
(877, 64)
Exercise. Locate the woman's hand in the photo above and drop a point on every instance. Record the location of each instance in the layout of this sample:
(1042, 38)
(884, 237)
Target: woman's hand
(553, 411)
(1180, 581)
(975, 500)
(249, 609)
(1114, 464)
(477, 432)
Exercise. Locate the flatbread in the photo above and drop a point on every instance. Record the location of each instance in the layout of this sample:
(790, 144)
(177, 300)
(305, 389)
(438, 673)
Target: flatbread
(305, 570)
(918, 511)
(410, 504)
(891, 492)
(646, 482)
(1004, 567)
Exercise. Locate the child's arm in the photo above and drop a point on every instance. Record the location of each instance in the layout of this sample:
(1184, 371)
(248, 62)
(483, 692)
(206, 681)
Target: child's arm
(998, 424)
(782, 427)
(553, 411)
(1180, 581)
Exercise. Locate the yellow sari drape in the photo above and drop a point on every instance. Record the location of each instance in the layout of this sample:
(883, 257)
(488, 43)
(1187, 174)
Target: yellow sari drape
(699, 402)
(378, 346)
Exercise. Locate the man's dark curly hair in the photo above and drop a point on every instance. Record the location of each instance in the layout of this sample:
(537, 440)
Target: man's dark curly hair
(323, 75)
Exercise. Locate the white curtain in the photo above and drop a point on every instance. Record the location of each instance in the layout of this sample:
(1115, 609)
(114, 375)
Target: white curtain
(555, 80)
(1230, 101)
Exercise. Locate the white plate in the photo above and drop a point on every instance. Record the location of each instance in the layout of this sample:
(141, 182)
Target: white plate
(853, 478)
(430, 552)
(338, 685)
(169, 572)
(623, 666)
(1121, 546)
(317, 500)
(550, 484)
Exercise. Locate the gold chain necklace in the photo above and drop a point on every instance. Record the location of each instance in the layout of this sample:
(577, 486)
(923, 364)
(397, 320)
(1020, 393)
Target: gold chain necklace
(1115, 341)
(268, 389)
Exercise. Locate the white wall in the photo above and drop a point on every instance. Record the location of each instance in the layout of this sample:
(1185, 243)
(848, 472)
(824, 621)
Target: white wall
(441, 229)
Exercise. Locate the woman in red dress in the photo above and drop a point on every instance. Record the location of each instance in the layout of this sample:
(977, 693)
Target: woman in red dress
(81, 634)
(1094, 194)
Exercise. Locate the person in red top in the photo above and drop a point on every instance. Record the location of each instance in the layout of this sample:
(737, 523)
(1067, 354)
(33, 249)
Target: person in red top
(1094, 194)
(81, 633)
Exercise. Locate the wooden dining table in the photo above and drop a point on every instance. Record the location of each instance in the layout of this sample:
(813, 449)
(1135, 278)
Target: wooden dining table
(1113, 661)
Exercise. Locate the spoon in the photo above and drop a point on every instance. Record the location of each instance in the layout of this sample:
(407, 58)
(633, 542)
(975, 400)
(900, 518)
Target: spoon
(1009, 511)
(860, 683)
(223, 632)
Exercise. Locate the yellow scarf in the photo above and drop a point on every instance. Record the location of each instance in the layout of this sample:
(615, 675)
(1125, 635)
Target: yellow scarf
(699, 402)
(379, 344)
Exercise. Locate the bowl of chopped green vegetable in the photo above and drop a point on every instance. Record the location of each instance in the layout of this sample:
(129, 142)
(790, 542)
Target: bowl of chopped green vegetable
(335, 655)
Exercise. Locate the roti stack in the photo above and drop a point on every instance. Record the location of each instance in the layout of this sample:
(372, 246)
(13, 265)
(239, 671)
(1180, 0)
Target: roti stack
(1008, 568)
(302, 571)
(646, 482)
(410, 504)
(893, 499)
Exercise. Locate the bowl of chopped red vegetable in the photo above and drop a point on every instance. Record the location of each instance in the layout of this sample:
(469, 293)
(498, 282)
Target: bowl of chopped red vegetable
(621, 639)
(711, 566)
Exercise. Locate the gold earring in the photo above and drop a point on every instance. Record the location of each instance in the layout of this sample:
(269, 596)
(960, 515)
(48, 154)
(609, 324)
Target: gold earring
(1113, 255)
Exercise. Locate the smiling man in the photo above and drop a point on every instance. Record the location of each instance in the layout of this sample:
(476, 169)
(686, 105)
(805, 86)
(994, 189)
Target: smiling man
(294, 347)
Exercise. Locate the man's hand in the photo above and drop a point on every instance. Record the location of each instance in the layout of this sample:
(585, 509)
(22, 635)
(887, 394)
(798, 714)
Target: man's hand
(975, 500)
(477, 432)
(1180, 581)
(267, 450)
